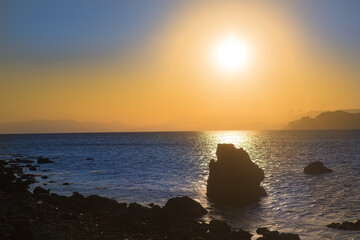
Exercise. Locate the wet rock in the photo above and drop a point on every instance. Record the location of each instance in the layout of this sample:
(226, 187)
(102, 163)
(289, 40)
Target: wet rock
(185, 206)
(262, 230)
(19, 160)
(41, 191)
(44, 177)
(234, 177)
(66, 184)
(316, 168)
(289, 236)
(272, 235)
(345, 225)
(275, 235)
(27, 176)
(31, 168)
(42, 160)
(241, 235)
(219, 227)
(89, 158)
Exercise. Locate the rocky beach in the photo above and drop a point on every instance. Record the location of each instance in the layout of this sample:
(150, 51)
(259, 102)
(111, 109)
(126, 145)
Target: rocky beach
(43, 215)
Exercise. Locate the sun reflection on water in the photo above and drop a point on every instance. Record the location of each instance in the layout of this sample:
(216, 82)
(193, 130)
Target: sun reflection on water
(240, 139)
(235, 137)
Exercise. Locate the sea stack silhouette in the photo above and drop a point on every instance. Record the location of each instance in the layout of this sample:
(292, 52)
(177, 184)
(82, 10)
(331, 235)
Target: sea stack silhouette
(316, 168)
(234, 178)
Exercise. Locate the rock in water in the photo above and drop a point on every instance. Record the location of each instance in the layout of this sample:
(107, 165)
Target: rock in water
(316, 168)
(234, 178)
(42, 160)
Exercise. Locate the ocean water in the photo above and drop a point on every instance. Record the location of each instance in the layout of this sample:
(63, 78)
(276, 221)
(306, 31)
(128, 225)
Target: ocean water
(153, 167)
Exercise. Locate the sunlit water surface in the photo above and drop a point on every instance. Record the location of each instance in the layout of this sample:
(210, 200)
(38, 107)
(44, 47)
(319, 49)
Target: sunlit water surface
(153, 167)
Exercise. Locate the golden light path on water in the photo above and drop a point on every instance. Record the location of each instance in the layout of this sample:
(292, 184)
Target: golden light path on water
(240, 139)
(291, 194)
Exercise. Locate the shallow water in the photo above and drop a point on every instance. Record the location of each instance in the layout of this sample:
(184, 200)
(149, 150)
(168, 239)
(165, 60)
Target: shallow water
(152, 167)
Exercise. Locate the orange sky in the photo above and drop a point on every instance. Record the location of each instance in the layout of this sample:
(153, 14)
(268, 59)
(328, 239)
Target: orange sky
(172, 82)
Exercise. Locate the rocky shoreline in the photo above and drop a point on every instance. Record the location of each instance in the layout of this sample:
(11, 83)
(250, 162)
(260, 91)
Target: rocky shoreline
(41, 215)
(44, 215)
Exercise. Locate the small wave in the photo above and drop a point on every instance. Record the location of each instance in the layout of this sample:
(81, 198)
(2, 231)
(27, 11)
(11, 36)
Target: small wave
(65, 173)
(99, 188)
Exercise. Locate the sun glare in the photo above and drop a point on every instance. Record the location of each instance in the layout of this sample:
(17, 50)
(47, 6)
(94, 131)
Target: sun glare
(232, 54)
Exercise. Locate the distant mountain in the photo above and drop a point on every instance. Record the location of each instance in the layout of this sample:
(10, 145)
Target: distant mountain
(351, 110)
(61, 126)
(315, 113)
(327, 120)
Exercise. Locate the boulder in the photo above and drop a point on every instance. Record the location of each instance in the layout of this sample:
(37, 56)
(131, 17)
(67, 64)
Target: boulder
(241, 234)
(39, 191)
(42, 160)
(185, 206)
(234, 178)
(289, 236)
(95, 203)
(316, 168)
(275, 235)
(20, 160)
(219, 227)
(262, 231)
(345, 225)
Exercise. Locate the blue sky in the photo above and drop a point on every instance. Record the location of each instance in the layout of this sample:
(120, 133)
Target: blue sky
(61, 28)
(46, 29)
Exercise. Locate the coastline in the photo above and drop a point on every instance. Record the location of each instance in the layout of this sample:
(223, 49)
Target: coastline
(45, 215)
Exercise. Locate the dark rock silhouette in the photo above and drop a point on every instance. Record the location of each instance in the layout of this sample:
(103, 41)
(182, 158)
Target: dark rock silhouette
(327, 120)
(345, 225)
(316, 168)
(185, 206)
(94, 202)
(31, 168)
(234, 178)
(40, 191)
(42, 160)
(219, 227)
(275, 235)
(19, 160)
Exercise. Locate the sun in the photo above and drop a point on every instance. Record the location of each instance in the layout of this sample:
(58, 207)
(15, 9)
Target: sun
(232, 54)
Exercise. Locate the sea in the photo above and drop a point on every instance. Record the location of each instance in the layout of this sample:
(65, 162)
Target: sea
(155, 166)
